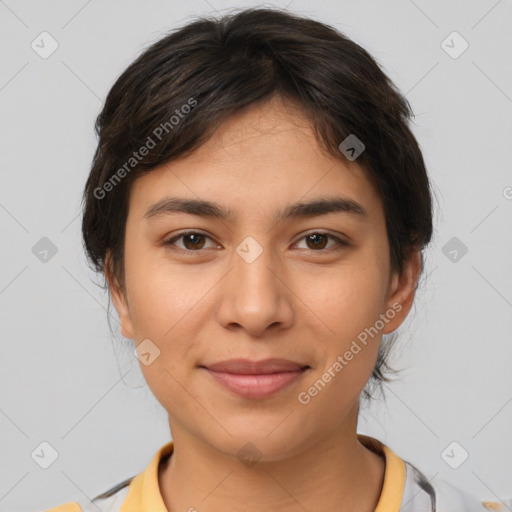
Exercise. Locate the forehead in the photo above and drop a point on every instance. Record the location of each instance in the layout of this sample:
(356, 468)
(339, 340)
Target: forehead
(258, 161)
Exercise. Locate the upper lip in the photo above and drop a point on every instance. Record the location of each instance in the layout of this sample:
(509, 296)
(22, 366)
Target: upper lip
(249, 367)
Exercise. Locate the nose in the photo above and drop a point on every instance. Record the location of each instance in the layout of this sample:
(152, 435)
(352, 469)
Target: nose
(256, 295)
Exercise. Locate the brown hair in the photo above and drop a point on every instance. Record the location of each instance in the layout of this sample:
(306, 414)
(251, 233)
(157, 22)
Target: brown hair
(170, 100)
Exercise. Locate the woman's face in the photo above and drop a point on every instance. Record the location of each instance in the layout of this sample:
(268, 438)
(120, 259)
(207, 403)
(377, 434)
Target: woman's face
(260, 275)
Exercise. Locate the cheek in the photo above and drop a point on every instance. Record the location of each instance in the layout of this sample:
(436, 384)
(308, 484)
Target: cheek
(348, 302)
(347, 345)
(161, 294)
(345, 301)
(331, 394)
(163, 313)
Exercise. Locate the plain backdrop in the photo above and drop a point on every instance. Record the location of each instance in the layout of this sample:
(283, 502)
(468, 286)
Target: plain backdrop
(67, 382)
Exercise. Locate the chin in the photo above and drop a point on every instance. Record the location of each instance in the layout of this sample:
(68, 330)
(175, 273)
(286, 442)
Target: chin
(268, 439)
(251, 449)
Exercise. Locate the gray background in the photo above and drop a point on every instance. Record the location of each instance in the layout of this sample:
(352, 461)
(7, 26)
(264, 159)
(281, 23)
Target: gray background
(67, 383)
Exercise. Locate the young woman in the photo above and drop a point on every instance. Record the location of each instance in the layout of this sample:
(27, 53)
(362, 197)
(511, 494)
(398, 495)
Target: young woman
(259, 207)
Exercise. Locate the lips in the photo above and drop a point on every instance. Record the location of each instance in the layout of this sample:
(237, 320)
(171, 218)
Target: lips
(256, 379)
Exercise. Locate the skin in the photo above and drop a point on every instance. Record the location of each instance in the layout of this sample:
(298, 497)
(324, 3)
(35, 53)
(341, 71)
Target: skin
(295, 301)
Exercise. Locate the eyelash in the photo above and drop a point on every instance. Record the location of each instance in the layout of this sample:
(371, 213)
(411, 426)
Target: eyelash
(341, 243)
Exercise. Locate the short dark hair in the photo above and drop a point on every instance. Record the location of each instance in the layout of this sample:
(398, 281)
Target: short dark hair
(175, 94)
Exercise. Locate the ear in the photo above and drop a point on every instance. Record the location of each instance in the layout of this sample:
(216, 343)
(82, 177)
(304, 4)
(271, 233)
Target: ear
(401, 292)
(118, 298)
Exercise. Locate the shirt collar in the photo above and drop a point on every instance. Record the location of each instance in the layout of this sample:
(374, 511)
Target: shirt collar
(390, 498)
(144, 492)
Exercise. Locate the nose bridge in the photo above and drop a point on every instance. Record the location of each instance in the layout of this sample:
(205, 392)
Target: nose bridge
(255, 296)
(254, 270)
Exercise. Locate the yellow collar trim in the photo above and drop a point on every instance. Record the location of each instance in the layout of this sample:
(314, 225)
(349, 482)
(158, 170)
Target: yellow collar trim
(394, 477)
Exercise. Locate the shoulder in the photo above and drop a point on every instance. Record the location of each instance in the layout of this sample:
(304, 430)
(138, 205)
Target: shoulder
(407, 489)
(421, 494)
(109, 501)
(66, 507)
(136, 493)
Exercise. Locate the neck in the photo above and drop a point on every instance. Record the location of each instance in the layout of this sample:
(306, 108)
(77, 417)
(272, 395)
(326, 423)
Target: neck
(336, 473)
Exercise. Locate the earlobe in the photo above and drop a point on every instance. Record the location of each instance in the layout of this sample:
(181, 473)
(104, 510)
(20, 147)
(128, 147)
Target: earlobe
(118, 298)
(402, 292)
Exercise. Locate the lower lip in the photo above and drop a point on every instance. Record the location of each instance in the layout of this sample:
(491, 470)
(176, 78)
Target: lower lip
(256, 386)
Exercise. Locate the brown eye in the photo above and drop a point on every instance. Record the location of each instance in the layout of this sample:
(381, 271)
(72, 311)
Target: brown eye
(317, 240)
(191, 241)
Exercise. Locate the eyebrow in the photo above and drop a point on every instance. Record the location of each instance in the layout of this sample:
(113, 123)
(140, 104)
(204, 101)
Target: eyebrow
(322, 206)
